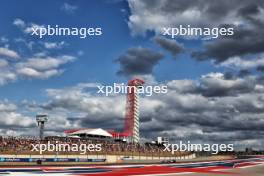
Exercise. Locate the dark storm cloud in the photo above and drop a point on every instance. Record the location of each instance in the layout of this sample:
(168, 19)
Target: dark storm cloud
(244, 41)
(229, 75)
(175, 12)
(245, 16)
(214, 124)
(105, 121)
(233, 115)
(260, 68)
(248, 10)
(243, 73)
(170, 45)
(215, 85)
(247, 39)
(138, 61)
(17, 126)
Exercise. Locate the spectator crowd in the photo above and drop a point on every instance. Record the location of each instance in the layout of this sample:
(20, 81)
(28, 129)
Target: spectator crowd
(23, 145)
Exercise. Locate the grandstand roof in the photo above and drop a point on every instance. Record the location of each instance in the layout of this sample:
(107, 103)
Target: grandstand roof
(73, 136)
(93, 131)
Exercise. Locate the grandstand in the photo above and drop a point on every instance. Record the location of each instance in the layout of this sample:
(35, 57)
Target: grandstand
(17, 145)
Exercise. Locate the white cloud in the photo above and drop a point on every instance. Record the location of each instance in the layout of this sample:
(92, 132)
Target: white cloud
(77, 98)
(19, 23)
(46, 62)
(37, 65)
(33, 68)
(42, 68)
(240, 63)
(8, 53)
(26, 27)
(4, 40)
(32, 73)
(7, 107)
(7, 76)
(28, 44)
(69, 8)
(29, 28)
(12, 119)
(15, 119)
(80, 53)
(182, 85)
(3, 63)
(40, 54)
(54, 45)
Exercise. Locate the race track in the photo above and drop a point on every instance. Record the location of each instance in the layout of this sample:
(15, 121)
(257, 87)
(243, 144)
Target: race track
(252, 167)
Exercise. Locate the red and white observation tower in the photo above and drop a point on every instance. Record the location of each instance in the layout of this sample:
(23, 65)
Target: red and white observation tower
(131, 126)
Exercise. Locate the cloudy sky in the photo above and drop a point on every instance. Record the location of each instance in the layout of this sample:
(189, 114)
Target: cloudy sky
(215, 86)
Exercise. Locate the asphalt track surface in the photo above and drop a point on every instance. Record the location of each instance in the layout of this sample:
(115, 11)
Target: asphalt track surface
(247, 167)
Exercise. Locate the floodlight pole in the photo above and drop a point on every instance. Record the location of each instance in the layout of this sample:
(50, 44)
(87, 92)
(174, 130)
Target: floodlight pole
(41, 120)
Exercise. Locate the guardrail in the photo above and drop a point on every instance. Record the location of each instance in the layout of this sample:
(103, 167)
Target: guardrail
(90, 158)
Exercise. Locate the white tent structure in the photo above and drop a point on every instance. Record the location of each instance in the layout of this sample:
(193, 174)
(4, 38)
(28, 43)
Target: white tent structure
(74, 137)
(99, 132)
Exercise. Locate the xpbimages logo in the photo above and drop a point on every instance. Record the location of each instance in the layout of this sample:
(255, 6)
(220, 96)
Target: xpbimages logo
(191, 147)
(83, 32)
(197, 31)
(65, 147)
(124, 89)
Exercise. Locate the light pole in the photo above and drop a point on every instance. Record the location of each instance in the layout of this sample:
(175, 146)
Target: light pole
(41, 120)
